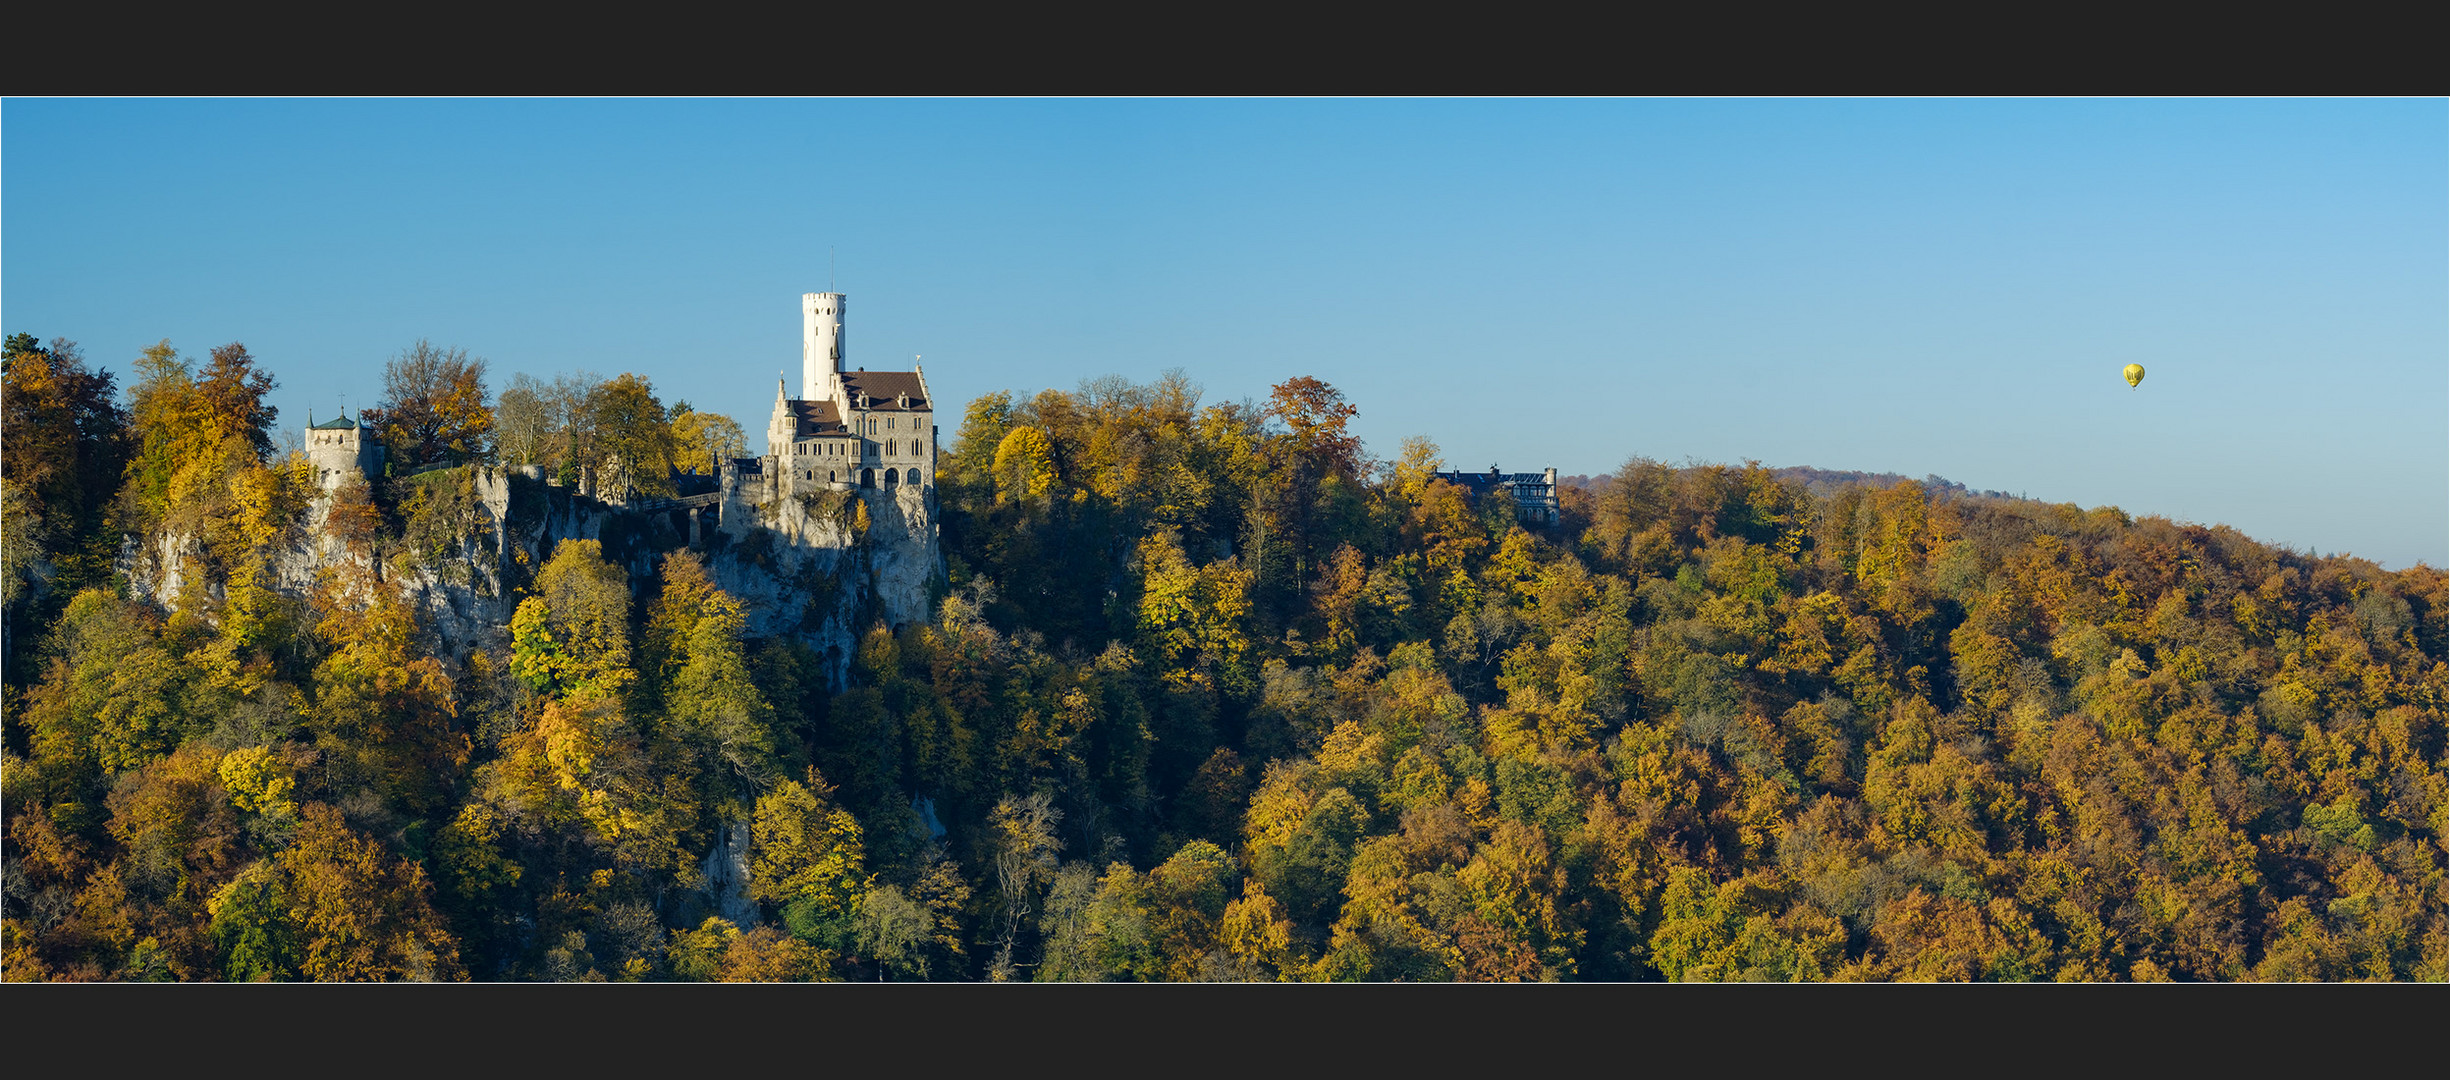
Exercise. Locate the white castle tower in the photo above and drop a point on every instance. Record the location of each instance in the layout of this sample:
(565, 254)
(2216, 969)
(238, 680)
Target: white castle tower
(820, 342)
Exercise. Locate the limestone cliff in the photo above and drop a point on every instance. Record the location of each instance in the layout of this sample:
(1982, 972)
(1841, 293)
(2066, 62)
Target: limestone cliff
(816, 567)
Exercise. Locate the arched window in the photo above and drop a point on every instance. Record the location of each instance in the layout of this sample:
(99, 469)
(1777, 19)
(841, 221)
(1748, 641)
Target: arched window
(867, 478)
(892, 478)
(914, 476)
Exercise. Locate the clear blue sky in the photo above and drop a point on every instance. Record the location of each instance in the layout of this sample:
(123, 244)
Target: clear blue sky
(1918, 287)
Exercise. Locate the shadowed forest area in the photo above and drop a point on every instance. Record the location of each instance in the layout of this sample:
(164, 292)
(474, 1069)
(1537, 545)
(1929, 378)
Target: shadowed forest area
(1212, 694)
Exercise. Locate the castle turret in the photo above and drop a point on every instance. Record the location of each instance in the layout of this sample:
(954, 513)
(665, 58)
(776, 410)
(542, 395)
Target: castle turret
(781, 428)
(339, 448)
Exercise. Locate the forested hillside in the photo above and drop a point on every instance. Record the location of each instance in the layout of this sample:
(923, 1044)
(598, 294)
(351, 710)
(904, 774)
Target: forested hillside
(1212, 694)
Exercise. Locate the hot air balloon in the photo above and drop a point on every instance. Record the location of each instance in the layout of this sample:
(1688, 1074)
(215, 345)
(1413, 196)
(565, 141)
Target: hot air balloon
(2135, 374)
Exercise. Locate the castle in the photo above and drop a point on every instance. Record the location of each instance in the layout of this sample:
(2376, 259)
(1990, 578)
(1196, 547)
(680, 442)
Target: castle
(848, 429)
(857, 545)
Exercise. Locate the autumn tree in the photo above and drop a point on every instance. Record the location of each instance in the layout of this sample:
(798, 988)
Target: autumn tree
(435, 407)
(353, 912)
(1022, 835)
(62, 446)
(1024, 467)
(704, 441)
(809, 862)
(194, 428)
(525, 422)
(632, 436)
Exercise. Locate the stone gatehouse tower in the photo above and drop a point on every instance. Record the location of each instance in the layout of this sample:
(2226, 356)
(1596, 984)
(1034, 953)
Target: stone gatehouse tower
(338, 448)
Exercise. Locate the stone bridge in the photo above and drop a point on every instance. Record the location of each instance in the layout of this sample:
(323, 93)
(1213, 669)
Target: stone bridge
(693, 507)
(686, 502)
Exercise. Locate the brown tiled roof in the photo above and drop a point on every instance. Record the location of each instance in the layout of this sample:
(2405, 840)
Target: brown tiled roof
(817, 418)
(884, 387)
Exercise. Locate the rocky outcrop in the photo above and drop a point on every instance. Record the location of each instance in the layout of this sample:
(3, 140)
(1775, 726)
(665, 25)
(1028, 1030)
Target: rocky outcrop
(159, 570)
(804, 566)
(801, 566)
(903, 556)
(726, 875)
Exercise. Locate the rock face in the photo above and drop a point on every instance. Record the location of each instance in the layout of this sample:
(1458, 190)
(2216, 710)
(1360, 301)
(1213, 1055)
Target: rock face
(158, 570)
(820, 567)
(726, 870)
(903, 557)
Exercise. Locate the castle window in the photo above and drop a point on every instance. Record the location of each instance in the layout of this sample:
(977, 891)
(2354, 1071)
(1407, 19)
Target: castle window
(914, 476)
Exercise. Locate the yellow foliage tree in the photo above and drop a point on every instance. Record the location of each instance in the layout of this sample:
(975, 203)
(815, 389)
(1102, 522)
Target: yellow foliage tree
(809, 859)
(1024, 467)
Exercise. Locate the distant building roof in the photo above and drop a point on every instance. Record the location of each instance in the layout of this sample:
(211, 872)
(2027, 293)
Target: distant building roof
(885, 388)
(814, 418)
(1481, 481)
(1535, 497)
(341, 424)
